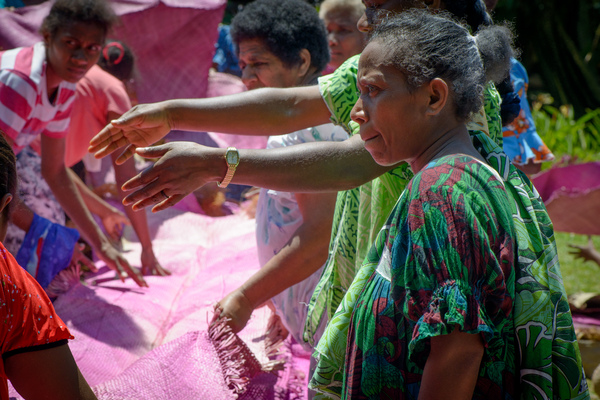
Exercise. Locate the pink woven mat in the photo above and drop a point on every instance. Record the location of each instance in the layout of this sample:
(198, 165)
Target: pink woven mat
(572, 196)
(134, 343)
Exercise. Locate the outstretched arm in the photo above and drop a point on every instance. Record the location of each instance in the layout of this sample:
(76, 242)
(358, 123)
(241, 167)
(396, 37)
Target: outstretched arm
(308, 167)
(268, 111)
(65, 191)
(304, 254)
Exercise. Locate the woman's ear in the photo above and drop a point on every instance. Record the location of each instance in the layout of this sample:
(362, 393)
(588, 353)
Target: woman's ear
(5, 200)
(438, 96)
(305, 63)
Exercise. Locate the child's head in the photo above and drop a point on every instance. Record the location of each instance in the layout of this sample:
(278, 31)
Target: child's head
(8, 183)
(472, 11)
(279, 43)
(436, 71)
(117, 59)
(340, 18)
(74, 32)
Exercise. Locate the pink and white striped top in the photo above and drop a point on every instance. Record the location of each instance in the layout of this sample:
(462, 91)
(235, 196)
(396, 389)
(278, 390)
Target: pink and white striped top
(25, 110)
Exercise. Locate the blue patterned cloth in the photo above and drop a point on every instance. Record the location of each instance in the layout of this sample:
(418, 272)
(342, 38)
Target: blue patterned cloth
(47, 249)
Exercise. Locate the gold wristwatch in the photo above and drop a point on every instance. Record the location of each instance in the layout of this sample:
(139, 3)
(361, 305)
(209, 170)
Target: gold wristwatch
(232, 157)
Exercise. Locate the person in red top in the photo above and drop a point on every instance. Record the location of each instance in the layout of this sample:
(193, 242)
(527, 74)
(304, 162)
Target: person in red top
(33, 339)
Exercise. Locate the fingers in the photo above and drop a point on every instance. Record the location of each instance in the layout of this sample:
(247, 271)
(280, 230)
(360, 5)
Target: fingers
(78, 256)
(155, 269)
(153, 195)
(124, 269)
(126, 154)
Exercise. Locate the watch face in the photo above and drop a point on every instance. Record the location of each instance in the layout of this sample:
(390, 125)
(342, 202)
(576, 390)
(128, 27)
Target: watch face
(233, 157)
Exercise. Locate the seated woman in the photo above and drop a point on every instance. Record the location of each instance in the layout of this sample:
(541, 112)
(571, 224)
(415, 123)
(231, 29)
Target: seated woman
(283, 44)
(344, 38)
(437, 313)
(35, 353)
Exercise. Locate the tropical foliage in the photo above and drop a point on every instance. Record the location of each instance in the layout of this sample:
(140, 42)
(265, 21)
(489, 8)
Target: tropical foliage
(560, 43)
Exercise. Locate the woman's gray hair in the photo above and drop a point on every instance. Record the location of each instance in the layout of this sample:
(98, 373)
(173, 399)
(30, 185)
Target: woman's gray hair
(425, 46)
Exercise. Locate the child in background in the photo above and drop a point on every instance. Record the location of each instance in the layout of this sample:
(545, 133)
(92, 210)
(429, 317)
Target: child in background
(37, 92)
(102, 95)
(344, 38)
(35, 353)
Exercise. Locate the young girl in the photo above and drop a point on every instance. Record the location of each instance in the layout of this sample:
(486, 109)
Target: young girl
(437, 314)
(37, 92)
(35, 354)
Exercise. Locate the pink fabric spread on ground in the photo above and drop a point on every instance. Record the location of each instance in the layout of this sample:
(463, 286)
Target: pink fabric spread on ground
(153, 343)
(572, 196)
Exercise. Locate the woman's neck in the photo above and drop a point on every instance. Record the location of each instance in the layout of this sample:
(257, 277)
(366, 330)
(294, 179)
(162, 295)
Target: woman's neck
(453, 141)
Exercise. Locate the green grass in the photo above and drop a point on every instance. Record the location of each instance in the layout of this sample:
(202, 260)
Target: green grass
(578, 276)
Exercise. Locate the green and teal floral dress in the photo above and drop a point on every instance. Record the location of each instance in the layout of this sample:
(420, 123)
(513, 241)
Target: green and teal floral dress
(548, 358)
(444, 259)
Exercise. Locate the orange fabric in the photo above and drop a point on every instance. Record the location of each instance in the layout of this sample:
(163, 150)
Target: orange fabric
(27, 317)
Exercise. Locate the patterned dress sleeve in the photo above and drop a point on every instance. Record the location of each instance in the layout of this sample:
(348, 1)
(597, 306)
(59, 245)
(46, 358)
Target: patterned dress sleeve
(456, 263)
(29, 321)
(340, 93)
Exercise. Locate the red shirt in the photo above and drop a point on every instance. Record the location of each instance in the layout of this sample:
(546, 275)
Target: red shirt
(28, 321)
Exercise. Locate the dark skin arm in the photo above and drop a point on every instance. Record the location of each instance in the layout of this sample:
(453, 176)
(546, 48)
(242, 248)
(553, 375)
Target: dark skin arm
(48, 374)
(452, 367)
(265, 112)
(185, 167)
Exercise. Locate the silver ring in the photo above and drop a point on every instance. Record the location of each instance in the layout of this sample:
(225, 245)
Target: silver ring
(164, 194)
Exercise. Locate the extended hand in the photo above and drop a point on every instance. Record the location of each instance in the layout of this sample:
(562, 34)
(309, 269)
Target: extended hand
(150, 265)
(182, 168)
(113, 224)
(115, 261)
(236, 308)
(585, 253)
(143, 125)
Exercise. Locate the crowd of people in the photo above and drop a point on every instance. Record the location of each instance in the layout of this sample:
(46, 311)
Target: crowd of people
(400, 239)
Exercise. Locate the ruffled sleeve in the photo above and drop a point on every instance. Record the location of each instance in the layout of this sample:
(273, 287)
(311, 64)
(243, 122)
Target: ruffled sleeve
(459, 253)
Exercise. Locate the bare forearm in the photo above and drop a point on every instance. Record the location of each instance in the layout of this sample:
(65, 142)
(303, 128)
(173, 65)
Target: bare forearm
(256, 112)
(94, 203)
(301, 257)
(307, 167)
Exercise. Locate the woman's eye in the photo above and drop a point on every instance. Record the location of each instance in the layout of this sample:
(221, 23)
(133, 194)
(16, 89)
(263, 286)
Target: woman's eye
(95, 48)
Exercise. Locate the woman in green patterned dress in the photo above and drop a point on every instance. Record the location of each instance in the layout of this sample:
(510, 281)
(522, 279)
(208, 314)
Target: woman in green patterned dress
(360, 212)
(541, 311)
(436, 315)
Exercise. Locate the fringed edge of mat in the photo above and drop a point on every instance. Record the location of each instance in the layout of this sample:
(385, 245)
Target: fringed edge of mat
(64, 280)
(238, 362)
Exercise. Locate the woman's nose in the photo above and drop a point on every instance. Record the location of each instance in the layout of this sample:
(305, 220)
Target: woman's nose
(248, 75)
(358, 114)
(363, 23)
